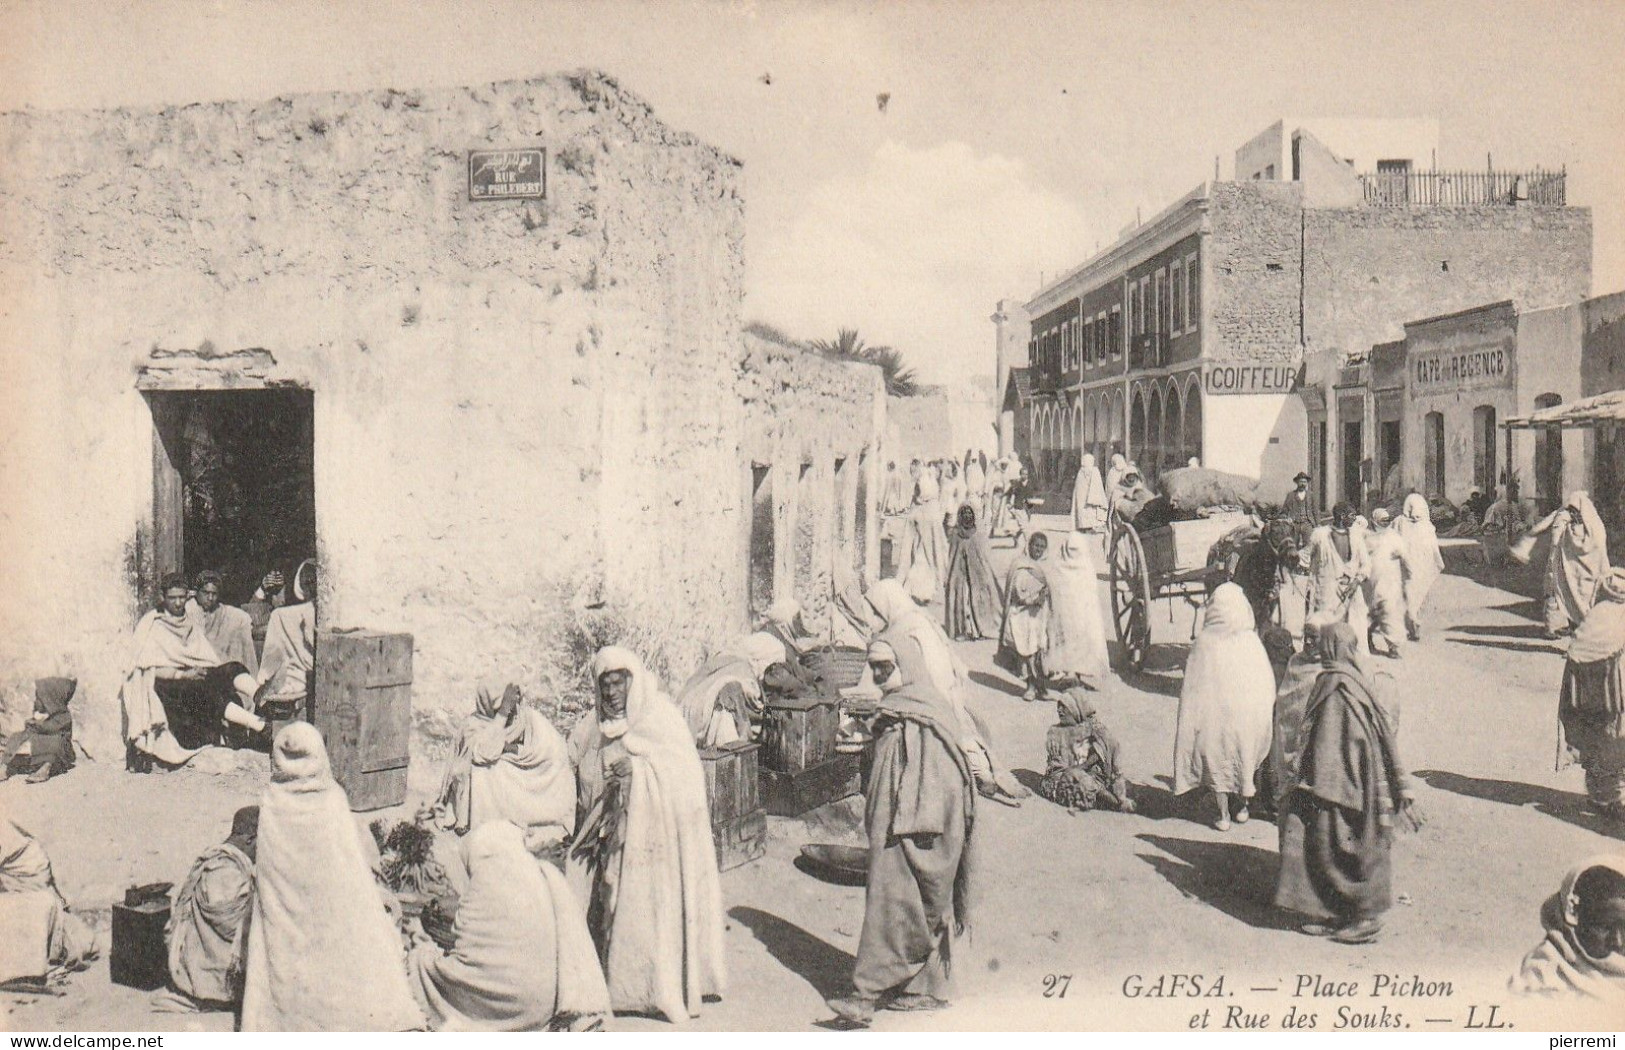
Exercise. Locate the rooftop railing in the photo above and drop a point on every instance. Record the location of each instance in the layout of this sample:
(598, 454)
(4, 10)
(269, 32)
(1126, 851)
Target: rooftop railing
(1464, 188)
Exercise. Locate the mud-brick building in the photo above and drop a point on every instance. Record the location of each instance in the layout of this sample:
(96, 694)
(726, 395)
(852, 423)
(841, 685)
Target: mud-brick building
(477, 349)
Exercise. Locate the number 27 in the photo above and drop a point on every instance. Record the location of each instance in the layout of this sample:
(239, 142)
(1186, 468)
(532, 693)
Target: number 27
(1056, 984)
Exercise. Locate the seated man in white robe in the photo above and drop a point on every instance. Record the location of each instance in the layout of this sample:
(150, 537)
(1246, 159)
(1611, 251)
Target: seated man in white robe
(290, 644)
(178, 694)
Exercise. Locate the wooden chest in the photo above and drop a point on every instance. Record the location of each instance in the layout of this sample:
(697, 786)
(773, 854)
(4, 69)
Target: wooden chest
(733, 791)
(1183, 545)
(362, 704)
(798, 734)
(792, 794)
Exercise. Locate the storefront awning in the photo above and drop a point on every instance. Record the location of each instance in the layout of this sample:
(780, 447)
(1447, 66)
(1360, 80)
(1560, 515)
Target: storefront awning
(1597, 410)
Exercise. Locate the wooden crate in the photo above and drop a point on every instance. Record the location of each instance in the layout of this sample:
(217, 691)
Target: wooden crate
(798, 734)
(733, 792)
(740, 841)
(362, 704)
(792, 794)
(1182, 545)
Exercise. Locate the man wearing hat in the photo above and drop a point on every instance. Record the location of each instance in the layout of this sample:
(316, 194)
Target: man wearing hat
(1300, 508)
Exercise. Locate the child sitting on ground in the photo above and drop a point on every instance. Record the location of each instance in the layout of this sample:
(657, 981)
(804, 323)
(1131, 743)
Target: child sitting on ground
(1083, 771)
(48, 734)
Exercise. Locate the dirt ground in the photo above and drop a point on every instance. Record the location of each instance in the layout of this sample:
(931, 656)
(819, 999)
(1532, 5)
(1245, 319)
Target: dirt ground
(1088, 908)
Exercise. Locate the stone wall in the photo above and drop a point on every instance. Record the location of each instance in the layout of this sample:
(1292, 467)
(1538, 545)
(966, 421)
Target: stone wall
(1369, 270)
(818, 426)
(1253, 266)
(1602, 360)
(919, 428)
(515, 402)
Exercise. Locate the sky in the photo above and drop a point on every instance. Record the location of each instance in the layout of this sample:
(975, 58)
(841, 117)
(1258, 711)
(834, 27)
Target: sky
(1018, 136)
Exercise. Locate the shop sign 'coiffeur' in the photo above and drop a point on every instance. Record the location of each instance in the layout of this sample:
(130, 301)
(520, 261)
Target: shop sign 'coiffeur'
(505, 175)
(1250, 379)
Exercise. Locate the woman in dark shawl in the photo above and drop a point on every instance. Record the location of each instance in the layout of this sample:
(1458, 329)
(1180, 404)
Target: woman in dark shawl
(971, 609)
(1337, 829)
(920, 813)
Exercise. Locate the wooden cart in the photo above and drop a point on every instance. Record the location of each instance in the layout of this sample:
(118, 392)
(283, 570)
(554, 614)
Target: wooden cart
(1168, 562)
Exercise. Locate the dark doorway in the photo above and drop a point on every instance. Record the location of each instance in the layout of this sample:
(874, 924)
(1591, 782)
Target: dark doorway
(1388, 457)
(1317, 459)
(1353, 491)
(234, 484)
(1485, 476)
(760, 567)
(1549, 460)
(1433, 453)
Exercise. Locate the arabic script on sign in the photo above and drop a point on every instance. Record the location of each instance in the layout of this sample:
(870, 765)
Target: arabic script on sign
(515, 174)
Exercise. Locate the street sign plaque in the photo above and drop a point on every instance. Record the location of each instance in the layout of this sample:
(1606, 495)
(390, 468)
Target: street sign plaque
(506, 175)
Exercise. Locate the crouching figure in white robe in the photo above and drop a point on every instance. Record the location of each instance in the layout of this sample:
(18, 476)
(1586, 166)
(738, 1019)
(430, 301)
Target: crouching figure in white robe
(522, 960)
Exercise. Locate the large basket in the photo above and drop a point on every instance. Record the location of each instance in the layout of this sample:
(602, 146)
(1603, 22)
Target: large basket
(837, 668)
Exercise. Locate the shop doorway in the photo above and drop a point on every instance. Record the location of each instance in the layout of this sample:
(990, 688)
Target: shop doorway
(1549, 460)
(234, 484)
(1433, 454)
(1352, 447)
(1485, 477)
(1388, 457)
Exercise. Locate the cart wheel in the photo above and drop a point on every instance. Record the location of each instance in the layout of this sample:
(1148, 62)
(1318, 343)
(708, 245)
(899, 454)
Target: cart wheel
(1131, 595)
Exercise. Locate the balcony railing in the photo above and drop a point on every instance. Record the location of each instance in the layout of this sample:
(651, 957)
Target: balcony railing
(1462, 188)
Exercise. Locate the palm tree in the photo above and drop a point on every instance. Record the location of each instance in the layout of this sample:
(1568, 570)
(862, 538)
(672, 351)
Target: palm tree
(849, 346)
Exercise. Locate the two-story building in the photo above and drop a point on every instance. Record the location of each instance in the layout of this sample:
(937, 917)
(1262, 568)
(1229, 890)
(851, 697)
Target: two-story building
(1186, 338)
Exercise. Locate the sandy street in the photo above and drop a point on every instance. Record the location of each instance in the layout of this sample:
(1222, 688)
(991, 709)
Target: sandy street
(1088, 907)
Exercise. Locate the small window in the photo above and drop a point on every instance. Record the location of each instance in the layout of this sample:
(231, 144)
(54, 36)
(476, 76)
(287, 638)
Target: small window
(1162, 301)
(1269, 171)
(1159, 292)
(1115, 334)
(1177, 297)
(1193, 302)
